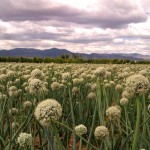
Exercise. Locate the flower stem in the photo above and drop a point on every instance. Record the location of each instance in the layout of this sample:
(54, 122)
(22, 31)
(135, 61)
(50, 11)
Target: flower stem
(73, 119)
(80, 148)
(136, 134)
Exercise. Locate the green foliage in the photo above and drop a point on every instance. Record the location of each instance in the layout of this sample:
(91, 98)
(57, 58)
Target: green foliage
(70, 59)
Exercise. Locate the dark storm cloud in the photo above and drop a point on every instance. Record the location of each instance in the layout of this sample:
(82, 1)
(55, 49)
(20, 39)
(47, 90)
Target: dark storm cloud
(110, 14)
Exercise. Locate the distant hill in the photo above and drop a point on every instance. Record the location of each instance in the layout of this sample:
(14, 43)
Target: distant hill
(30, 52)
(55, 52)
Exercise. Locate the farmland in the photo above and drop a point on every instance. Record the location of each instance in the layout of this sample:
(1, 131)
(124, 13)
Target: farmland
(74, 106)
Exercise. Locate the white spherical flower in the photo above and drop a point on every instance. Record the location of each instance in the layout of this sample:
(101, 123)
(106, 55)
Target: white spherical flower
(91, 95)
(94, 87)
(81, 81)
(25, 77)
(107, 85)
(25, 139)
(126, 69)
(9, 83)
(54, 79)
(2, 97)
(125, 74)
(114, 67)
(17, 81)
(108, 74)
(66, 76)
(37, 74)
(27, 104)
(76, 81)
(93, 77)
(3, 77)
(13, 111)
(2, 88)
(127, 95)
(83, 75)
(3, 70)
(81, 129)
(75, 90)
(105, 81)
(64, 81)
(112, 83)
(88, 85)
(13, 91)
(45, 90)
(75, 75)
(20, 91)
(120, 76)
(118, 87)
(101, 72)
(46, 84)
(11, 74)
(35, 86)
(101, 132)
(143, 72)
(124, 101)
(137, 84)
(47, 111)
(61, 86)
(113, 112)
(24, 84)
(15, 125)
(55, 86)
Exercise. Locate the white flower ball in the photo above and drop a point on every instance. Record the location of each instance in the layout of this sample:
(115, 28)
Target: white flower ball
(137, 84)
(35, 86)
(101, 72)
(55, 86)
(27, 104)
(47, 111)
(37, 74)
(81, 129)
(124, 101)
(91, 96)
(66, 76)
(101, 132)
(25, 139)
(113, 112)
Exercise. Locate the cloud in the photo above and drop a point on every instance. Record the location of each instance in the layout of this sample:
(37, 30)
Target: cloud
(146, 6)
(34, 11)
(107, 14)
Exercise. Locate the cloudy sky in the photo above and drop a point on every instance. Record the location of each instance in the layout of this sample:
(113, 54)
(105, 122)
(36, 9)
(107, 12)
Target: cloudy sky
(101, 26)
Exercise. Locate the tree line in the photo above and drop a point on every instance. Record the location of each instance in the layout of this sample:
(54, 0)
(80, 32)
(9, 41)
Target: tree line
(67, 59)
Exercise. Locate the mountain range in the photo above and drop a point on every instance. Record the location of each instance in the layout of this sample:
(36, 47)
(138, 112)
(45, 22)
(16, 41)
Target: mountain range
(55, 52)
